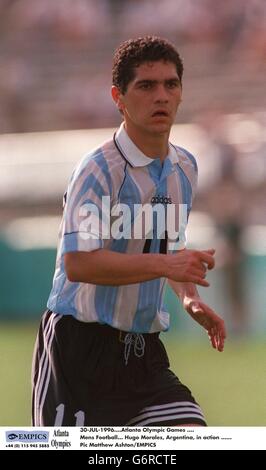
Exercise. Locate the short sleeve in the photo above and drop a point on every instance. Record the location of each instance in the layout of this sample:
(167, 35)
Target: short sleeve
(188, 174)
(87, 208)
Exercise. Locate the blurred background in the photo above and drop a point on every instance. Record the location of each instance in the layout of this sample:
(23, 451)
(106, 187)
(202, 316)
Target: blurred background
(55, 105)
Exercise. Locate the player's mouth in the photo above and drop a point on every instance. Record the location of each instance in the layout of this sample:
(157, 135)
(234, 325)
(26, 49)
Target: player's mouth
(160, 113)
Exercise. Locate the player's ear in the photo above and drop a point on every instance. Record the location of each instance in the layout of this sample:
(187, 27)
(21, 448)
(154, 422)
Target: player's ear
(118, 98)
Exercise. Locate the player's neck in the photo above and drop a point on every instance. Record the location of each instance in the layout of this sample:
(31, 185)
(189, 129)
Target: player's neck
(151, 144)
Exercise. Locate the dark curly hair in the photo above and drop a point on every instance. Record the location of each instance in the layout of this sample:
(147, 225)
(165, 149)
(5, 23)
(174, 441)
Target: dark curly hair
(134, 52)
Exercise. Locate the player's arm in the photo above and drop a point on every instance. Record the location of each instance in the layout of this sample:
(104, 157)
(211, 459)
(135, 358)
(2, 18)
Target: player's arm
(201, 312)
(106, 267)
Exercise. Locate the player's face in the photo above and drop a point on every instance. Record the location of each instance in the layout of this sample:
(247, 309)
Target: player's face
(152, 98)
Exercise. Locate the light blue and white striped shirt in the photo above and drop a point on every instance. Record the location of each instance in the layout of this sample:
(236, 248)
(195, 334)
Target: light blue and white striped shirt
(120, 171)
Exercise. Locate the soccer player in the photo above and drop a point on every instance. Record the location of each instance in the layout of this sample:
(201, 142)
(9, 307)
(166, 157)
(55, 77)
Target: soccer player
(98, 357)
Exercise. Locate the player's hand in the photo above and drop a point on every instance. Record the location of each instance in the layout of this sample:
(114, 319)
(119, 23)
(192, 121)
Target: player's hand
(208, 319)
(190, 266)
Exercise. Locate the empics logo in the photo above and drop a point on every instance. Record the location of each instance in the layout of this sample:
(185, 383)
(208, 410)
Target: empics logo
(27, 436)
(12, 436)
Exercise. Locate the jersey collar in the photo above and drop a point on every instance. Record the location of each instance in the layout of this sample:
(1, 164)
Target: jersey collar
(133, 154)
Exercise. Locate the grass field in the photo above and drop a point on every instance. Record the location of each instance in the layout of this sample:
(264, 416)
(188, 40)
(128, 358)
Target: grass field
(231, 387)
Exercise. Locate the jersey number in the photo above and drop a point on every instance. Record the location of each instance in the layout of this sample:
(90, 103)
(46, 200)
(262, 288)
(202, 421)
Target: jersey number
(60, 410)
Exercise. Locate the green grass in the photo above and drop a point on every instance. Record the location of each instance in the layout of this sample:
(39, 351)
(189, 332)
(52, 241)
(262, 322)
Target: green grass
(16, 347)
(230, 386)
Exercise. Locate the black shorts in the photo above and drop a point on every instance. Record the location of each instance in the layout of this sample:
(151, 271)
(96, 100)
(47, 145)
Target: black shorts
(94, 375)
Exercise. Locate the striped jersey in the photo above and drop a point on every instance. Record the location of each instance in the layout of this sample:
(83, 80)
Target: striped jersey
(119, 174)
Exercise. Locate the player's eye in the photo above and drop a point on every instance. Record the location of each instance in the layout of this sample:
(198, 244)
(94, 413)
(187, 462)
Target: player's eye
(146, 85)
(172, 84)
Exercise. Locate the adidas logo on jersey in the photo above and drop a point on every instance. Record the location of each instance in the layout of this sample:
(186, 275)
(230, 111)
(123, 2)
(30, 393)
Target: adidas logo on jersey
(161, 200)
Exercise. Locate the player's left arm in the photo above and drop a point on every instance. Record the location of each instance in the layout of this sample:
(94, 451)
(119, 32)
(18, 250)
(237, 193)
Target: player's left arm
(201, 312)
(187, 291)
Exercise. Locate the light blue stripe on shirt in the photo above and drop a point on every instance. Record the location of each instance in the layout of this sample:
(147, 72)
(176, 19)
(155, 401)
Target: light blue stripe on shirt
(105, 296)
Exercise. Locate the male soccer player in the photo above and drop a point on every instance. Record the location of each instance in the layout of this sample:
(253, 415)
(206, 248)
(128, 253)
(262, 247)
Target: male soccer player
(98, 358)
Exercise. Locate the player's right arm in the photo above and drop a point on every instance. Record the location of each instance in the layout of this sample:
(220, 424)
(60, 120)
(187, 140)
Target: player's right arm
(106, 267)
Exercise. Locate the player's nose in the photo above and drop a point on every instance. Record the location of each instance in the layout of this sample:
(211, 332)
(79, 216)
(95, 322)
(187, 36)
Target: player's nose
(161, 95)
